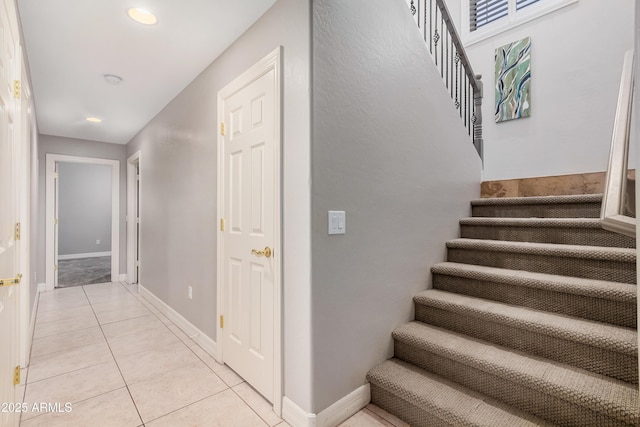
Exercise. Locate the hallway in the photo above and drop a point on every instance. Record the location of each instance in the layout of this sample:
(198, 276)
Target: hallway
(120, 362)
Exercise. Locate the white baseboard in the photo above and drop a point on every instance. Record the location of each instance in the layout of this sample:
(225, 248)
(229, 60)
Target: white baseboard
(295, 415)
(41, 287)
(187, 327)
(85, 255)
(122, 278)
(333, 416)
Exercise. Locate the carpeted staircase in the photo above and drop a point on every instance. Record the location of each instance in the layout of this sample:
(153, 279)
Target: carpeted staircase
(531, 322)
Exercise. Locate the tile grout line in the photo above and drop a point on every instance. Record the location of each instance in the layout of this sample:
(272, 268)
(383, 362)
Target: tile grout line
(181, 342)
(229, 387)
(26, 377)
(115, 360)
(250, 407)
(186, 406)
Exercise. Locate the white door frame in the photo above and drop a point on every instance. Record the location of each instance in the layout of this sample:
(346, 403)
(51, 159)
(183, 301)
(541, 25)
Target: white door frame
(52, 159)
(24, 194)
(132, 192)
(271, 62)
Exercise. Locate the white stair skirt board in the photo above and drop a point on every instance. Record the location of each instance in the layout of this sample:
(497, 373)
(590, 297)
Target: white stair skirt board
(85, 255)
(333, 416)
(187, 327)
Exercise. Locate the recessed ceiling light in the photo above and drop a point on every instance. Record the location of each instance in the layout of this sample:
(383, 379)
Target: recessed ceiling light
(93, 119)
(142, 16)
(112, 79)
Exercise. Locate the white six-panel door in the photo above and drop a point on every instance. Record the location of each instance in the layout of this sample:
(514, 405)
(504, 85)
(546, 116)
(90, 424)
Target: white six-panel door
(9, 251)
(250, 257)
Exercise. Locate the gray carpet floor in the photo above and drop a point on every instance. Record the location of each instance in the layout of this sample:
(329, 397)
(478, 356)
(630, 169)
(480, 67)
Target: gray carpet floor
(84, 271)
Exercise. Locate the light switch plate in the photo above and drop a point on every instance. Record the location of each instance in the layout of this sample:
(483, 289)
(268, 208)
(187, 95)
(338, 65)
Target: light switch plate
(337, 222)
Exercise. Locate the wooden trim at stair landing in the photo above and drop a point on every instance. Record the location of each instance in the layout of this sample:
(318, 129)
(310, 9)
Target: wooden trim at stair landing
(583, 183)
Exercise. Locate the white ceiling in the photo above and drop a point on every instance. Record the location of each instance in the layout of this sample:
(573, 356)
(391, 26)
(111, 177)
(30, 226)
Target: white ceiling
(71, 44)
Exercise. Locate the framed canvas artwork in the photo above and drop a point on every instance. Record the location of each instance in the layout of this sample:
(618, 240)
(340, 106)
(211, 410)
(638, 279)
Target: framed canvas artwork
(513, 80)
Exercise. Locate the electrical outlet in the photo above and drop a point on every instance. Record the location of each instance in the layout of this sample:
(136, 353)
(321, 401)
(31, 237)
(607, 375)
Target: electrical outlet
(189, 292)
(97, 242)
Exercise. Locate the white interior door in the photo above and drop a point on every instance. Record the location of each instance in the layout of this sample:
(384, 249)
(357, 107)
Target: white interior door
(9, 250)
(250, 257)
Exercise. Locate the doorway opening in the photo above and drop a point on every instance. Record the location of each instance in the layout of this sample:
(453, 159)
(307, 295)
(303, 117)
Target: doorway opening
(83, 205)
(81, 247)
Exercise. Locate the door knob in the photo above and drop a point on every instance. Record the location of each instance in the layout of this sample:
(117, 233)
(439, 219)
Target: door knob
(266, 252)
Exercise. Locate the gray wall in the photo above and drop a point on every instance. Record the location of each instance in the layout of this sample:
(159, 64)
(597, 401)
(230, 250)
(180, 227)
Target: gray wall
(389, 149)
(178, 188)
(84, 208)
(78, 147)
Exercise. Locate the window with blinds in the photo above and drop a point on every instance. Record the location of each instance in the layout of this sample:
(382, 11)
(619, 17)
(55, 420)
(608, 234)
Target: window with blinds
(483, 12)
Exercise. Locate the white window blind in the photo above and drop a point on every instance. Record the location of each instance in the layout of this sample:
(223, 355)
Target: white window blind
(524, 3)
(481, 12)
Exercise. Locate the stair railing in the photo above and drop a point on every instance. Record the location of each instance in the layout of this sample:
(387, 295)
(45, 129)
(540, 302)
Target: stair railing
(465, 87)
(618, 202)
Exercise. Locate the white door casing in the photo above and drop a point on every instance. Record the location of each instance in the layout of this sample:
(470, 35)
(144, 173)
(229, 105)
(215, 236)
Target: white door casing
(10, 183)
(51, 214)
(56, 228)
(133, 216)
(24, 201)
(249, 285)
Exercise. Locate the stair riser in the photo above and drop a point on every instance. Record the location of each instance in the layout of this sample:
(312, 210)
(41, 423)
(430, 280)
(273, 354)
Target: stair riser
(411, 414)
(591, 308)
(601, 361)
(568, 210)
(557, 235)
(616, 271)
(544, 403)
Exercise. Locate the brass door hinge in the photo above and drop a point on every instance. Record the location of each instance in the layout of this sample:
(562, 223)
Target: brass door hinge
(16, 89)
(11, 281)
(16, 375)
(55, 268)
(222, 321)
(222, 224)
(55, 221)
(222, 128)
(55, 175)
(18, 231)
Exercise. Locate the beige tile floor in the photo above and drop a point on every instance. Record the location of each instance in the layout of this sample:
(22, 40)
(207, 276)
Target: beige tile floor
(119, 362)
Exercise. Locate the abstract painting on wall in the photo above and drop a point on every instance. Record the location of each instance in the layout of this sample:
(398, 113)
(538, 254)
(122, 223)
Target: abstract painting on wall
(513, 80)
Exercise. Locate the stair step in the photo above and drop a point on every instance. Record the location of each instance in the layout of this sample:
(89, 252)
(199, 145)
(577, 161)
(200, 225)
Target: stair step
(564, 231)
(598, 300)
(574, 206)
(427, 400)
(590, 262)
(594, 346)
(550, 390)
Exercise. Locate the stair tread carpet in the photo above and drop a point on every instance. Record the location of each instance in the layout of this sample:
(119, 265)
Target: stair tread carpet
(596, 334)
(614, 291)
(610, 397)
(538, 200)
(590, 223)
(450, 403)
(547, 249)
